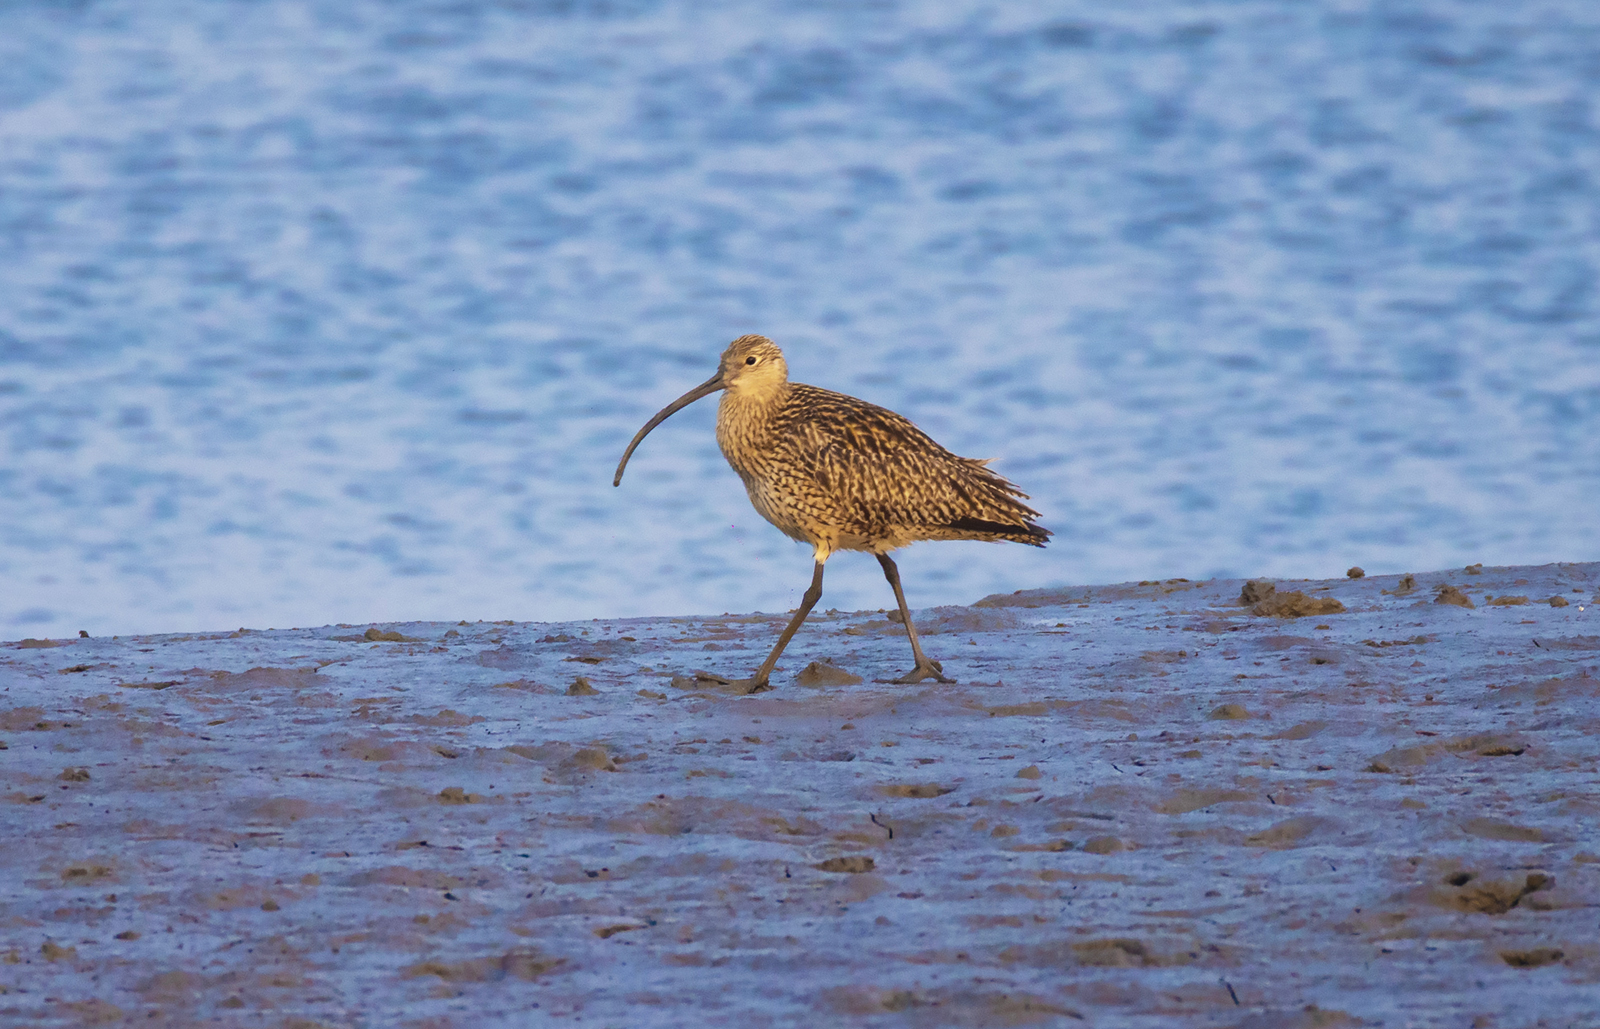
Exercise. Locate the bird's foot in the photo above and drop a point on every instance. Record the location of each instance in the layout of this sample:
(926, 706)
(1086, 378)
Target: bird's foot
(748, 687)
(738, 687)
(923, 670)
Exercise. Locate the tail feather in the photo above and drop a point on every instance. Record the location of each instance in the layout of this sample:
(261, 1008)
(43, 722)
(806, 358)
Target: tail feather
(1034, 535)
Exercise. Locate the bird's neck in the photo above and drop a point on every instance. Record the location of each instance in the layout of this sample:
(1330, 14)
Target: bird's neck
(747, 418)
(756, 402)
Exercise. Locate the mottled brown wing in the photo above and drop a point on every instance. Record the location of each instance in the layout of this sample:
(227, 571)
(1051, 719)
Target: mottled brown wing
(882, 474)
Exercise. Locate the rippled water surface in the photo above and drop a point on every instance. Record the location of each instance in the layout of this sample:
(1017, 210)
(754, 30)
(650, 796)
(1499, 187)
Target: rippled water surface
(345, 310)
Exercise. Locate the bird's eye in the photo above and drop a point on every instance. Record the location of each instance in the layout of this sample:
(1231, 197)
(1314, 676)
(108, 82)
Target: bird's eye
(750, 360)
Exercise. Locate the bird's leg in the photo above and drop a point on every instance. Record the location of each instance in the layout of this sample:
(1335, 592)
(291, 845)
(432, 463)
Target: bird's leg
(925, 669)
(758, 683)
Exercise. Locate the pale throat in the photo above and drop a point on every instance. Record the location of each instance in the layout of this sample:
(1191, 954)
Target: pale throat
(753, 398)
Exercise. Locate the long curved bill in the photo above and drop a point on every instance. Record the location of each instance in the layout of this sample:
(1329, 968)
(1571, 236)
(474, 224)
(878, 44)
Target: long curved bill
(706, 388)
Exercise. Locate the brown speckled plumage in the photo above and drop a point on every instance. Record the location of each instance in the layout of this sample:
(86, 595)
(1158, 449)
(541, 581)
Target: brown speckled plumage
(842, 474)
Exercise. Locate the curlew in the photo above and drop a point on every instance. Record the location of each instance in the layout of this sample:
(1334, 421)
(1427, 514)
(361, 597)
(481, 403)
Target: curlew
(842, 474)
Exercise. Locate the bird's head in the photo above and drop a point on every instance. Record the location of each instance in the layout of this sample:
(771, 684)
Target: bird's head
(753, 366)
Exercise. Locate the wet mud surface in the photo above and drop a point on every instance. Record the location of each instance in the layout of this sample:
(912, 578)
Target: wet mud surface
(1141, 805)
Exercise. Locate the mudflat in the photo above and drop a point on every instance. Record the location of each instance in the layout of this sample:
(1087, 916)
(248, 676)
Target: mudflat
(1145, 804)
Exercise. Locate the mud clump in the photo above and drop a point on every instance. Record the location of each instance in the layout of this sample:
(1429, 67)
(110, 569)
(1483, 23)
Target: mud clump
(1508, 601)
(1263, 598)
(376, 635)
(1407, 584)
(1490, 896)
(1104, 845)
(524, 965)
(1285, 834)
(52, 951)
(1481, 744)
(1029, 710)
(949, 1008)
(1256, 590)
(1114, 953)
(1450, 595)
(1302, 731)
(1558, 601)
(87, 873)
(1494, 829)
(1296, 605)
(1182, 801)
(1415, 641)
(581, 687)
(854, 864)
(1308, 1017)
(1532, 958)
(593, 757)
(921, 790)
(821, 673)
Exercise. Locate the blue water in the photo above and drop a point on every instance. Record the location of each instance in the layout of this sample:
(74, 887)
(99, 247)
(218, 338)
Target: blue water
(344, 310)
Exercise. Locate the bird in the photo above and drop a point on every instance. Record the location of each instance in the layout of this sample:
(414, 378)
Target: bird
(843, 474)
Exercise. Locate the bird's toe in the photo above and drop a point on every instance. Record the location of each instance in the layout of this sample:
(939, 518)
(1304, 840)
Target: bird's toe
(931, 670)
(722, 684)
